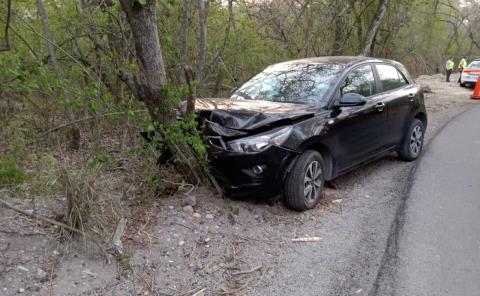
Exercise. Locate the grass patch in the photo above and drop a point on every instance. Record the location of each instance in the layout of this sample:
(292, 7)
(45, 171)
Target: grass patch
(11, 174)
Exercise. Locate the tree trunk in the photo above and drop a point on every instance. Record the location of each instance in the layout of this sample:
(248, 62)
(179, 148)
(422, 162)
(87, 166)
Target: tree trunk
(339, 29)
(7, 26)
(184, 38)
(374, 27)
(185, 26)
(150, 60)
(202, 54)
(75, 132)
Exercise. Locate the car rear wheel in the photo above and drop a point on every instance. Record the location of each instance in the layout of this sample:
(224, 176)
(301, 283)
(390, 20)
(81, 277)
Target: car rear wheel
(413, 143)
(304, 184)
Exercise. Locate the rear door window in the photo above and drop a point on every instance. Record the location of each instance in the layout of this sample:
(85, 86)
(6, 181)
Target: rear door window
(360, 81)
(474, 65)
(390, 77)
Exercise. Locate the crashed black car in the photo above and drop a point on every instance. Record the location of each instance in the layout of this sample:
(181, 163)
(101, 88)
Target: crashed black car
(300, 123)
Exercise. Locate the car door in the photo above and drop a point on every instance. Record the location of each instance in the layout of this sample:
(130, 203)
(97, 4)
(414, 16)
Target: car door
(359, 130)
(399, 97)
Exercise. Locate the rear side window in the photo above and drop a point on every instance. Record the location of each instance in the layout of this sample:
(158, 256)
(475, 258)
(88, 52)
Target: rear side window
(474, 65)
(390, 77)
(360, 81)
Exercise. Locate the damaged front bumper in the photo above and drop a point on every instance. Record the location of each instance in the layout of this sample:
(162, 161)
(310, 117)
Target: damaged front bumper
(247, 174)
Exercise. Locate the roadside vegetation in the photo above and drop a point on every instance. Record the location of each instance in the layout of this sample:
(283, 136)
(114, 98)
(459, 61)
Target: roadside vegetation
(80, 80)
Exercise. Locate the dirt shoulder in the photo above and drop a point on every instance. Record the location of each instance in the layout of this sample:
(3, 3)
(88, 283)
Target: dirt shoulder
(230, 246)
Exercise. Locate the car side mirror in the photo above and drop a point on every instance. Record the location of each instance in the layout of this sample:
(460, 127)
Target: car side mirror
(352, 100)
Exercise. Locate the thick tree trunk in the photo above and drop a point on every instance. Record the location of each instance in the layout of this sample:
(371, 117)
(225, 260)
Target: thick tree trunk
(150, 59)
(75, 132)
(374, 27)
(202, 53)
(147, 44)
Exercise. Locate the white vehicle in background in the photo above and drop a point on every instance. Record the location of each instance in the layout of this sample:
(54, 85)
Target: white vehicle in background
(470, 74)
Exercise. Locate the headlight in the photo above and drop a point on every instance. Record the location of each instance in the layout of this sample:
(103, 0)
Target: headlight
(260, 142)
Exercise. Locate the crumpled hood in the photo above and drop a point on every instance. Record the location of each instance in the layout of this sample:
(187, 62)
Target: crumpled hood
(236, 117)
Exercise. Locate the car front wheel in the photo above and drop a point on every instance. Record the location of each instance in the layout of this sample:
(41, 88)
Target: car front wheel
(304, 184)
(413, 143)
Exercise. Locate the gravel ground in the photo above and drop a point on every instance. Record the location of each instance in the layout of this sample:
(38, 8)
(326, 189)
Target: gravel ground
(234, 247)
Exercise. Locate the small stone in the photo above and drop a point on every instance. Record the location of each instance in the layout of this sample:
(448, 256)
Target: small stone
(41, 275)
(137, 238)
(188, 209)
(209, 216)
(21, 290)
(190, 200)
(22, 268)
(170, 207)
(181, 243)
(197, 215)
(207, 239)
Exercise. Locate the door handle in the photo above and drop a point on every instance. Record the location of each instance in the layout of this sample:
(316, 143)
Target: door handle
(411, 97)
(380, 106)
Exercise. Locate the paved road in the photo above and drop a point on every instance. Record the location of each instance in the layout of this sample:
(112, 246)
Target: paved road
(435, 248)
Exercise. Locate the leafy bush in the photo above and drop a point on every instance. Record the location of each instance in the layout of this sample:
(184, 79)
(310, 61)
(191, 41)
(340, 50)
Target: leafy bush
(10, 173)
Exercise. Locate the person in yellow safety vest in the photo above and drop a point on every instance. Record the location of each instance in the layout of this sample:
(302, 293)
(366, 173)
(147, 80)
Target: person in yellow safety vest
(450, 65)
(461, 66)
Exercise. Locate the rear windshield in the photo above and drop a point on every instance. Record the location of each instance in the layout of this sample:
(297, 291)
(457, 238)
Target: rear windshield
(474, 65)
(291, 83)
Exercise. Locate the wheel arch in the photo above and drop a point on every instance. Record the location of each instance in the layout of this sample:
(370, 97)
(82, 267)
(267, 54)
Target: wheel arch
(325, 151)
(422, 117)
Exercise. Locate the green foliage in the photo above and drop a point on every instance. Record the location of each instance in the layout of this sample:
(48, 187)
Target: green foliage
(10, 173)
(102, 160)
(141, 2)
(185, 130)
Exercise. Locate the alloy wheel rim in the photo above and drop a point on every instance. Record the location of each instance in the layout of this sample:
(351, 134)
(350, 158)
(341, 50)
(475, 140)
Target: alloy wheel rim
(312, 181)
(416, 139)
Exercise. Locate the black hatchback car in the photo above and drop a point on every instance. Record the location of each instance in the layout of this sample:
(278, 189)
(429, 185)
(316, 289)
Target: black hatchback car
(300, 123)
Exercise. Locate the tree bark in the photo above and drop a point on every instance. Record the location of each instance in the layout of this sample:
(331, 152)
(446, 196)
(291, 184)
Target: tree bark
(147, 44)
(147, 88)
(7, 26)
(339, 29)
(202, 54)
(374, 27)
(75, 132)
(185, 27)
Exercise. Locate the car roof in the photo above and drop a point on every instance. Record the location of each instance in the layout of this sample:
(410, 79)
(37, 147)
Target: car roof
(474, 64)
(345, 62)
(341, 60)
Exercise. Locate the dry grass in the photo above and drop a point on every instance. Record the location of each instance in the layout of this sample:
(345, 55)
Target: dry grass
(91, 206)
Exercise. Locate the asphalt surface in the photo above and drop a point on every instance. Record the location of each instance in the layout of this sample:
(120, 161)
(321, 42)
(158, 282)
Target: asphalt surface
(435, 248)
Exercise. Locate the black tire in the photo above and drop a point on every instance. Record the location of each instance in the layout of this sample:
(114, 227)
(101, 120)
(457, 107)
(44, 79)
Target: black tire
(462, 84)
(295, 194)
(412, 145)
